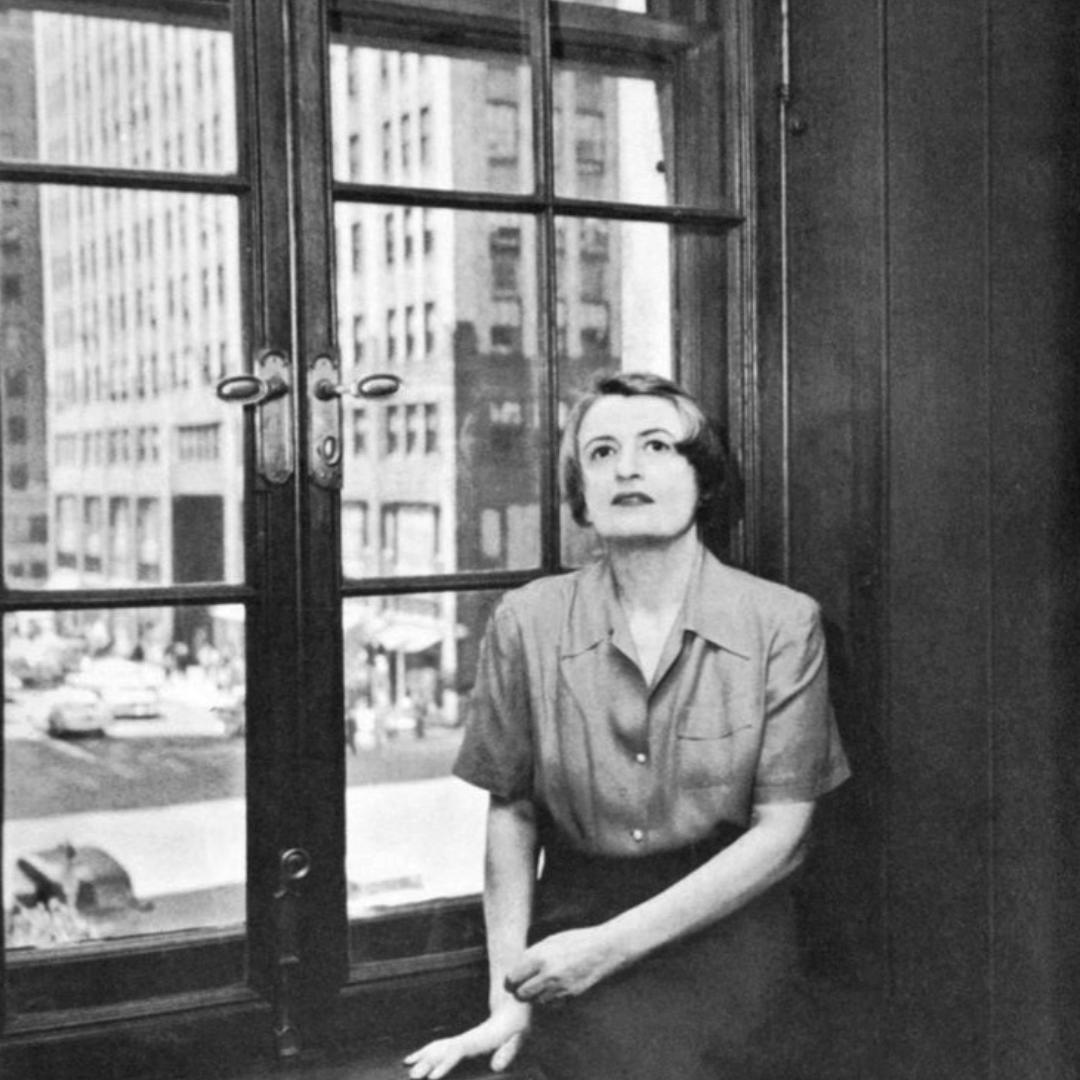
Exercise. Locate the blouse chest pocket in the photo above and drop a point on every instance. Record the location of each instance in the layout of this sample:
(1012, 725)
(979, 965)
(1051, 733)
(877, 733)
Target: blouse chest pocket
(709, 747)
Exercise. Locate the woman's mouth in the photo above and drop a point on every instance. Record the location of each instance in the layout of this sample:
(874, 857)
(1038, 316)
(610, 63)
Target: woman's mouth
(631, 498)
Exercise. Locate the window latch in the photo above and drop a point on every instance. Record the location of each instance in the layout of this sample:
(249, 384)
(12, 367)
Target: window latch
(293, 866)
(268, 388)
(324, 414)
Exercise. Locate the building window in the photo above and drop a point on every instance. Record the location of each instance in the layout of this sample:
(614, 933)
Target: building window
(391, 335)
(357, 238)
(505, 248)
(16, 430)
(18, 476)
(387, 149)
(38, 532)
(429, 233)
(358, 339)
(198, 442)
(502, 129)
(353, 84)
(505, 338)
(589, 144)
(67, 532)
(410, 537)
(15, 383)
(431, 428)
(11, 288)
(594, 262)
(410, 331)
(425, 136)
(354, 157)
(93, 540)
(148, 540)
(355, 538)
(392, 438)
(359, 432)
(429, 328)
(388, 235)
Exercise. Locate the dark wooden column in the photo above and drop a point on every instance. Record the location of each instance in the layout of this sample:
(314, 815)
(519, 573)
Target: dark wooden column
(933, 503)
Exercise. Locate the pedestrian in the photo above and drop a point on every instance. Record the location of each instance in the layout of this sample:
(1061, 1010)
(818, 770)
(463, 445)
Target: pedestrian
(657, 726)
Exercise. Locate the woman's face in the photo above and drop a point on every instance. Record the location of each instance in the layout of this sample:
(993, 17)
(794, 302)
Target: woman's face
(637, 486)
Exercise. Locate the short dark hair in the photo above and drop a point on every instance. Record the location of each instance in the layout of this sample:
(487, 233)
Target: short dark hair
(705, 444)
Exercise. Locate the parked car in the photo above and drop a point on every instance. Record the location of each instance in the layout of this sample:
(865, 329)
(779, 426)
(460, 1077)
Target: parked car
(129, 688)
(74, 711)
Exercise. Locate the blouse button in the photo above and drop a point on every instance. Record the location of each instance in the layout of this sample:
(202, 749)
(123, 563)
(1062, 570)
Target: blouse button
(637, 834)
(641, 758)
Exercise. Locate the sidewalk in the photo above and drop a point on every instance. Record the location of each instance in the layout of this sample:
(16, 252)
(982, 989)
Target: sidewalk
(406, 842)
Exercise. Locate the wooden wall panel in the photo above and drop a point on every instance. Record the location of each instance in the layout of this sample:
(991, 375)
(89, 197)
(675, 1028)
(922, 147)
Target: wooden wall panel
(932, 490)
(938, 603)
(1035, 647)
(837, 262)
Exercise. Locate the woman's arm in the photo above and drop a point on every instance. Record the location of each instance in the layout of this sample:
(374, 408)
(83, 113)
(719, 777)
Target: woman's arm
(509, 883)
(568, 963)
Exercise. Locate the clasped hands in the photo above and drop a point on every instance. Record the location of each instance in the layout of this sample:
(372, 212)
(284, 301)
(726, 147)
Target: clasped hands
(559, 967)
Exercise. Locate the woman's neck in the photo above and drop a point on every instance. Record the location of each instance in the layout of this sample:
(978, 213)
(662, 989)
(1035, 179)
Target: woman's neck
(653, 578)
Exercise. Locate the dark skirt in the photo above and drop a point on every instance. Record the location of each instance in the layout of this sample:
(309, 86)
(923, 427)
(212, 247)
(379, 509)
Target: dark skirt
(722, 1003)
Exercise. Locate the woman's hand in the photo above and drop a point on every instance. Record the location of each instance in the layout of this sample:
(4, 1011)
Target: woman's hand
(565, 965)
(500, 1035)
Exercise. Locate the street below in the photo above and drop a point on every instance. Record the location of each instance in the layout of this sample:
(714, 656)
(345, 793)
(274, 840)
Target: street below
(163, 797)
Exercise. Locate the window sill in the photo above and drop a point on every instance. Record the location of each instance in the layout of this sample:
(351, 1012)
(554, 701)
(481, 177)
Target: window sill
(383, 1063)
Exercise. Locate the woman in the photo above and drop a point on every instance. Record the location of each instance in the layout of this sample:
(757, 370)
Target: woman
(658, 726)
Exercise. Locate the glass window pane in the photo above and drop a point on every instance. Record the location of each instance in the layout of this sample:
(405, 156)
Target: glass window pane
(638, 108)
(444, 475)
(124, 775)
(614, 310)
(121, 311)
(614, 297)
(430, 118)
(415, 833)
(116, 93)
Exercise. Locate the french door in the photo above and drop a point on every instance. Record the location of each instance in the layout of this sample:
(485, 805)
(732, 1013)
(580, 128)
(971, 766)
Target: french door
(294, 298)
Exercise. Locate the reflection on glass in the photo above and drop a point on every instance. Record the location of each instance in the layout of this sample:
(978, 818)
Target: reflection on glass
(444, 475)
(613, 297)
(613, 314)
(423, 119)
(415, 833)
(122, 310)
(124, 773)
(608, 141)
(635, 105)
(115, 93)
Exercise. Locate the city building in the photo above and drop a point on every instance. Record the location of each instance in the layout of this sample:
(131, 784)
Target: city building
(22, 349)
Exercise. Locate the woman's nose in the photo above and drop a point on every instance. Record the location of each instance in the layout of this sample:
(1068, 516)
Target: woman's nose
(626, 464)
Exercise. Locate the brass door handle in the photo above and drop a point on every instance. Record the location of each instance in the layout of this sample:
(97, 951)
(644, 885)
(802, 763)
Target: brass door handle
(266, 386)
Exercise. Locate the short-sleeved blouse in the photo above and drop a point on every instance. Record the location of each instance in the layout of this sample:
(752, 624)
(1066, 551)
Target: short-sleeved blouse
(737, 713)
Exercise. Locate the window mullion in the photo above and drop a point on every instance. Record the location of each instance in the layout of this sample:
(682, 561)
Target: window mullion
(318, 778)
(547, 363)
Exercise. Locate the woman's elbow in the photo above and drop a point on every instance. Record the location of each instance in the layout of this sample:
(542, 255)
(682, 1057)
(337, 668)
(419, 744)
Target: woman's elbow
(786, 828)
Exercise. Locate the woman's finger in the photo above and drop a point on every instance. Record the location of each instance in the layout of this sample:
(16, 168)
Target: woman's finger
(526, 968)
(504, 1056)
(434, 1060)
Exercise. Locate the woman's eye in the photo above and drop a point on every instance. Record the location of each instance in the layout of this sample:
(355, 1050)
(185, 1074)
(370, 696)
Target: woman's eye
(658, 445)
(597, 453)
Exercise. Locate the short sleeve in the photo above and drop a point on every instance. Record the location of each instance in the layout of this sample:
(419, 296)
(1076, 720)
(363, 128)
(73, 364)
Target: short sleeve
(802, 757)
(497, 752)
